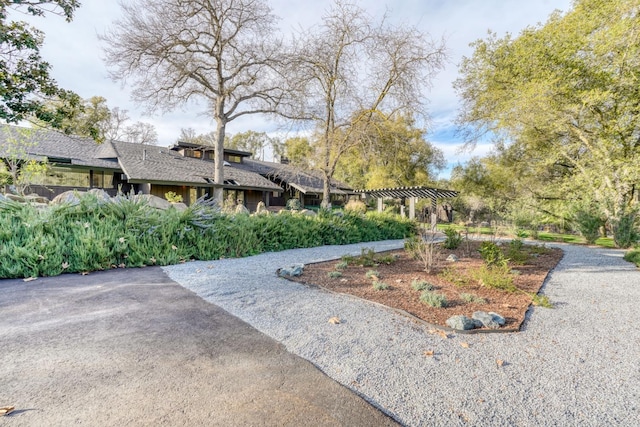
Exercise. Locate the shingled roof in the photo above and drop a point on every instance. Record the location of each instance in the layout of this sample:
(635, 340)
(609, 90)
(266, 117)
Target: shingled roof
(148, 163)
(60, 148)
(141, 163)
(306, 181)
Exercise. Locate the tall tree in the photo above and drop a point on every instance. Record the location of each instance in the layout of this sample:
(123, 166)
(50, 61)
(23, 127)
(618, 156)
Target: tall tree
(25, 82)
(251, 141)
(351, 68)
(390, 153)
(565, 96)
(223, 52)
(93, 118)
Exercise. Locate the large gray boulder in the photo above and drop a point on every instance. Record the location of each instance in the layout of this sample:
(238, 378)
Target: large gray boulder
(154, 201)
(100, 194)
(71, 197)
(489, 320)
(461, 323)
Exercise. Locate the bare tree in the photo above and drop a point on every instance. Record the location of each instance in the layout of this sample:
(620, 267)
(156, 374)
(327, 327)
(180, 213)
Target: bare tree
(221, 51)
(350, 69)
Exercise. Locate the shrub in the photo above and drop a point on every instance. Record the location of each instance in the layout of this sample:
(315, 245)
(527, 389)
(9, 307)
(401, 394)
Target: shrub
(293, 204)
(496, 277)
(516, 252)
(453, 239)
(356, 206)
(625, 233)
(541, 301)
(472, 299)
(633, 256)
(424, 248)
(334, 274)
(372, 274)
(588, 224)
(421, 285)
(433, 299)
(342, 265)
(492, 254)
(450, 274)
(172, 197)
(380, 286)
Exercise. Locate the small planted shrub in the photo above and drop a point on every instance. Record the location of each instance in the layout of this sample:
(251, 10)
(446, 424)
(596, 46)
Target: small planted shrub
(371, 274)
(516, 252)
(356, 206)
(433, 299)
(625, 233)
(495, 277)
(172, 197)
(541, 301)
(633, 256)
(424, 248)
(450, 274)
(342, 265)
(421, 285)
(491, 254)
(588, 223)
(453, 239)
(293, 205)
(380, 286)
(334, 274)
(472, 299)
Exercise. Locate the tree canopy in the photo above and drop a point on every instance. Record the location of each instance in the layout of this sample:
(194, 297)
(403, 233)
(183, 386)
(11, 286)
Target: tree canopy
(349, 70)
(25, 80)
(564, 99)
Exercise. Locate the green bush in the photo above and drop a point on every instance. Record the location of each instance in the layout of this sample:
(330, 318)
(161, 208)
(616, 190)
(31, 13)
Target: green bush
(588, 224)
(492, 254)
(334, 274)
(421, 285)
(453, 239)
(380, 286)
(633, 256)
(495, 276)
(433, 299)
(472, 299)
(516, 252)
(372, 273)
(625, 233)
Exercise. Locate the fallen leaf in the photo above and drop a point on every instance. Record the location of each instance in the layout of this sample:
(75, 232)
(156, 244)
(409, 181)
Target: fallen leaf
(399, 281)
(428, 353)
(198, 270)
(122, 265)
(464, 344)
(6, 409)
(29, 279)
(84, 273)
(335, 320)
(500, 362)
(209, 267)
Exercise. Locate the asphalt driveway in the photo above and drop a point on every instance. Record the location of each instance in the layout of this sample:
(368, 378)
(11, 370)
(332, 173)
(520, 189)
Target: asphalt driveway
(132, 347)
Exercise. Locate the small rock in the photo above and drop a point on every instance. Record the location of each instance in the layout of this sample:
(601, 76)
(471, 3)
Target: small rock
(461, 322)
(489, 320)
(452, 258)
(291, 271)
(399, 281)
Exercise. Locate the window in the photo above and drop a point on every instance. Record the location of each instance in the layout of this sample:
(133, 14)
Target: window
(188, 152)
(233, 159)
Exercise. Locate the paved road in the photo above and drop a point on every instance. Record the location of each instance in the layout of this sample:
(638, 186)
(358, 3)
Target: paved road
(131, 347)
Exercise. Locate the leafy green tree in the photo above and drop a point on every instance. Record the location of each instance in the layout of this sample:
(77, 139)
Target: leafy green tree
(565, 96)
(251, 141)
(298, 151)
(390, 153)
(21, 169)
(25, 82)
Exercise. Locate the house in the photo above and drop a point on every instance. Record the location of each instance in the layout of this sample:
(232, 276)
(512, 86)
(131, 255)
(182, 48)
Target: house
(78, 163)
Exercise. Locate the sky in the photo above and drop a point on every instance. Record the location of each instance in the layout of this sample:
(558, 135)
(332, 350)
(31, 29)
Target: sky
(75, 54)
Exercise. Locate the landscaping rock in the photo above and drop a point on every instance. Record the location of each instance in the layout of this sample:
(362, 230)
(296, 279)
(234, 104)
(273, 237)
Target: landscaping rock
(307, 212)
(452, 258)
(489, 320)
(291, 271)
(36, 198)
(71, 197)
(180, 207)
(461, 322)
(100, 194)
(14, 197)
(154, 201)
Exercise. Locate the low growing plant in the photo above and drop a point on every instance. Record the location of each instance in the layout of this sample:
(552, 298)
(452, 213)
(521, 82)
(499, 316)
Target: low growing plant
(633, 256)
(450, 274)
(516, 252)
(421, 285)
(495, 277)
(342, 265)
(380, 286)
(492, 254)
(453, 238)
(371, 274)
(433, 299)
(541, 301)
(472, 299)
(334, 274)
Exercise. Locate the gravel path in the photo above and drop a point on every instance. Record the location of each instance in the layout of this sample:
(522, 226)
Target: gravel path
(575, 365)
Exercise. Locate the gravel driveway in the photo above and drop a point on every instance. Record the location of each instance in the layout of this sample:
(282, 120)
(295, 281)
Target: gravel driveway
(576, 364)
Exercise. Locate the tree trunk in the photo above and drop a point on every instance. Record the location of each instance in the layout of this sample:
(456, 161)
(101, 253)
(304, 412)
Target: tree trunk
(218, 177)
(326, 193)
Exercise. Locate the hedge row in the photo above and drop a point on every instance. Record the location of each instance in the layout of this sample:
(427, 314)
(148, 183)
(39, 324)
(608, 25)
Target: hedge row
(97, 235)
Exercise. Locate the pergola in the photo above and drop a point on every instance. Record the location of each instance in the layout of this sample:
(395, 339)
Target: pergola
(411, 193)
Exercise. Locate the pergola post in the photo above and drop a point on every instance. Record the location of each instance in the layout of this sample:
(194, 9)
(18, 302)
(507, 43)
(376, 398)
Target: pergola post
(380, 206)
(434, 214)
(412, 208)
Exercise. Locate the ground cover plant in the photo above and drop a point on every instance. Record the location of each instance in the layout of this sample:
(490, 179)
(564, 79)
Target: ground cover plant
(483, 278)
(125, 232)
